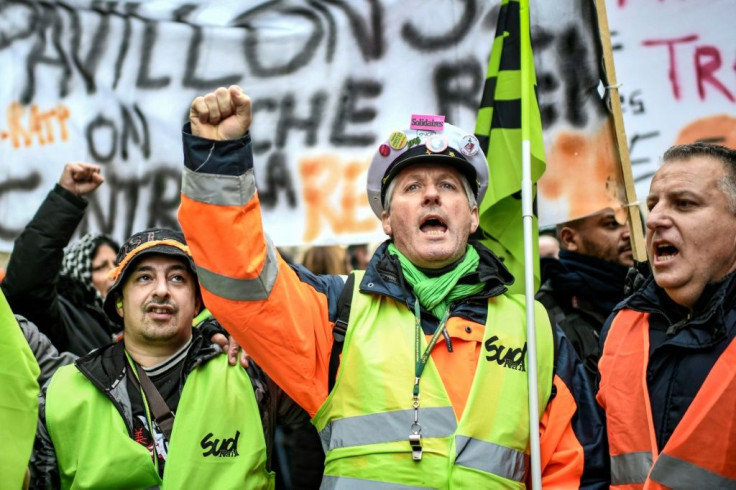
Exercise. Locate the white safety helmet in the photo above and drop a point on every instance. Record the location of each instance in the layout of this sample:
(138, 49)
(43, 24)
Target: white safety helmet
(444, 143)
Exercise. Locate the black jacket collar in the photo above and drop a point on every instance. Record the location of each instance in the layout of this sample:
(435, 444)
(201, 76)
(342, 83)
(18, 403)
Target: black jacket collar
(716, 299)
(596, 283)
(106, 366)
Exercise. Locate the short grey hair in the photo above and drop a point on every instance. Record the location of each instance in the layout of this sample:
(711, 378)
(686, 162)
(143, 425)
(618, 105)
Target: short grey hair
(725, 155)
(472, 202)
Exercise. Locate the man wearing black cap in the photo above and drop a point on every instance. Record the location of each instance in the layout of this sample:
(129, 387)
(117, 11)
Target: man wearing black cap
(414, 370)
(160, 407)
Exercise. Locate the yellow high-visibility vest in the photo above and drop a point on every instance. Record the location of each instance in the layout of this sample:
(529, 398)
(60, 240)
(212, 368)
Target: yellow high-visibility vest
(217, 440)
(365, 422)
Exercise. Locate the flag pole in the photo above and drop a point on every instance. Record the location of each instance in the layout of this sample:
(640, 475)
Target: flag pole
(632, 204)
(527, 210)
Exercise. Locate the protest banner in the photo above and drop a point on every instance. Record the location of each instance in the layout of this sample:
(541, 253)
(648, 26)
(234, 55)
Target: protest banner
(111, 82)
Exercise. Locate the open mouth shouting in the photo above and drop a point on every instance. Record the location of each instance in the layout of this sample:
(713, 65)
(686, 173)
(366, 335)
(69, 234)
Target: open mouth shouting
(664, 252)
(433, 225)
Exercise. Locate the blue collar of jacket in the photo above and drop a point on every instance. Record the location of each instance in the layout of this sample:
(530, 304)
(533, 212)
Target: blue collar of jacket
(384, 276)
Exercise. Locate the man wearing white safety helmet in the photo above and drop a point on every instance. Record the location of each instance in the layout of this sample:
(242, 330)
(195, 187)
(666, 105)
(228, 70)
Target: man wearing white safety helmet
(414, 370)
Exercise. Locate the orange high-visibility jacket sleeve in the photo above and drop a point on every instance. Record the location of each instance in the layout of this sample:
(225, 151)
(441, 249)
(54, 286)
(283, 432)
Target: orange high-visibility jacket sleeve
(561, 453)
(573, 446)
(280, 320)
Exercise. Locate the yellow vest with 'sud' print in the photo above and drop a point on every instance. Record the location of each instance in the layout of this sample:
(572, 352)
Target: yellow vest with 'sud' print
(365, 422)
(217, 440)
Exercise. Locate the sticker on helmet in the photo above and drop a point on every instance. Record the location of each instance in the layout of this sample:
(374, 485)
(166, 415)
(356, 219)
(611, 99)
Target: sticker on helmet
(397, 140)
(436, 143)
(469, 145)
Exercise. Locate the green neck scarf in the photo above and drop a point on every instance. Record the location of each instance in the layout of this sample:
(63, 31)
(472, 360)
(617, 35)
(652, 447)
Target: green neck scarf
(436, 293)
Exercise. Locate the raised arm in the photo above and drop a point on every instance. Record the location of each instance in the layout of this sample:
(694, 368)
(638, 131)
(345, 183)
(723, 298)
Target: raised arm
(282, 319)
(33, 270)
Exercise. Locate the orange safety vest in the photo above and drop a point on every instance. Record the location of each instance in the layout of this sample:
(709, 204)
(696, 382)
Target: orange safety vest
(701, 453)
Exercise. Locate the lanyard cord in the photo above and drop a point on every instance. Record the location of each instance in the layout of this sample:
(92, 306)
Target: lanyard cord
(133, 369)
(420, 362)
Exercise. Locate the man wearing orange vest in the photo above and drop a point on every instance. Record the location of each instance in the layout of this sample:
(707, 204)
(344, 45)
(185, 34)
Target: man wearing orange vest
(428, 386)
(667, 375)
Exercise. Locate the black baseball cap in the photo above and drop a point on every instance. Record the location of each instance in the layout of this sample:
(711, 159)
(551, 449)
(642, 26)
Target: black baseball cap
(163, 241)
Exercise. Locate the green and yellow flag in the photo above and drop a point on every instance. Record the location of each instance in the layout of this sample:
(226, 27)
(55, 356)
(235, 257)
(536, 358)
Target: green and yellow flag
(18, 399)
(499, 129)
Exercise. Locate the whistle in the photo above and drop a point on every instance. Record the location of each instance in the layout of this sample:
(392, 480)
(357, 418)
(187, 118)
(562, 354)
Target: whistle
(416, 446)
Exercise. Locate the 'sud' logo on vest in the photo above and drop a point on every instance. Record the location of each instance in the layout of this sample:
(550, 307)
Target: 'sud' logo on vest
(506, 356)
(228, 448)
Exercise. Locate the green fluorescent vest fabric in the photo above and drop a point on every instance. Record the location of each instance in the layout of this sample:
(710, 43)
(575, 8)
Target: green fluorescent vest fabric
(217, 440)
(18, 399)
(365, 422)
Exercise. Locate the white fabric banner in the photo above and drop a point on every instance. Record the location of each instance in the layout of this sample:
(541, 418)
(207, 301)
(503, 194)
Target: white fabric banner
(111, 82)
(676, 62)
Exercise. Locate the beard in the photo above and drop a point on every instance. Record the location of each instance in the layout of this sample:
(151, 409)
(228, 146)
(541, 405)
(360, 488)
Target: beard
(610, 253)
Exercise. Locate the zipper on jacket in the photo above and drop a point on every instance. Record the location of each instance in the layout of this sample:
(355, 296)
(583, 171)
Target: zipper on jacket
(448, 340)
(677, 326)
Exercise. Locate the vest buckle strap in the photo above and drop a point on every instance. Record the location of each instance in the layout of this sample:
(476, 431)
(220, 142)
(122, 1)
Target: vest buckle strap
(415, 439)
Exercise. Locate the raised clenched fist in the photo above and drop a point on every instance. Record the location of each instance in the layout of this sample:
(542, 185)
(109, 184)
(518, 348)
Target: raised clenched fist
(224, 114)
(81, 178)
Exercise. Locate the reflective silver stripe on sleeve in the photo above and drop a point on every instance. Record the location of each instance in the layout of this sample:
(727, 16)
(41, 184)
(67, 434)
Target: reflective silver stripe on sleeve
(628, 468)
(381, 427)
(491, 458)
(222, 190)
(330, 482)
(677, 473)
(243, 289)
